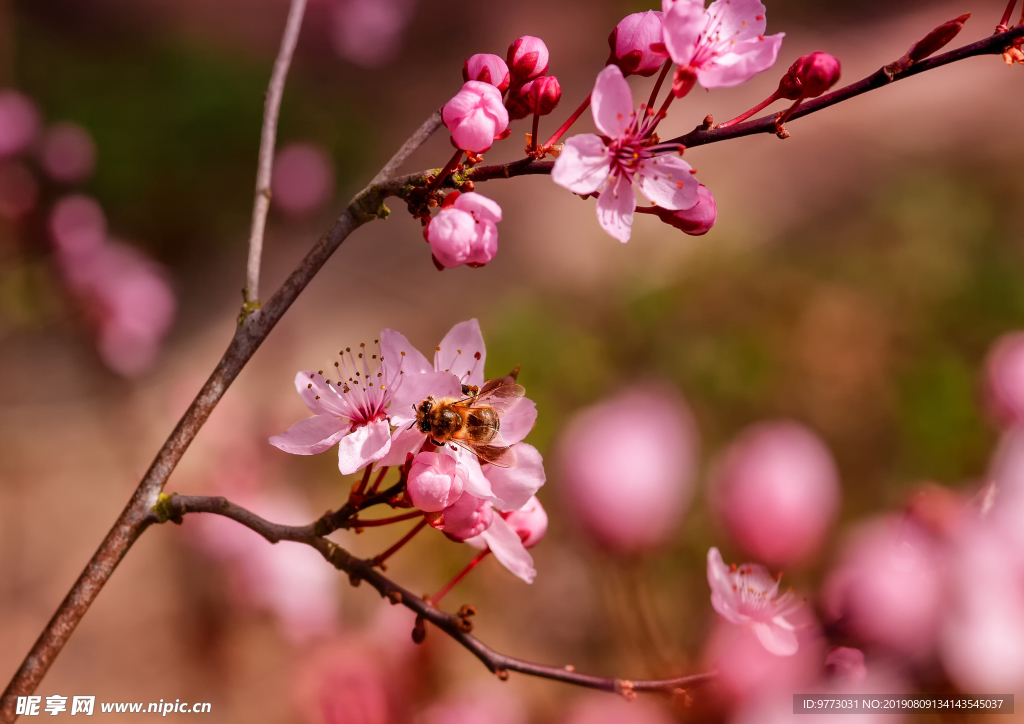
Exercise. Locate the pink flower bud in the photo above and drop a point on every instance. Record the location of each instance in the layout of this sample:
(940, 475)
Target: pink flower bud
(486, 68)
(465, 232)
(68, 153)
(936, 39)
(810, 76)
(627, 465)
(78, 225)
(540, 96)
(631, 42)
(698, 219)
(19, 123)
(1004, 379)
(475, 116)
(530, 522)
(846, 664)
(467, 517)
(435, 481)
(527, 58)
(776, 490)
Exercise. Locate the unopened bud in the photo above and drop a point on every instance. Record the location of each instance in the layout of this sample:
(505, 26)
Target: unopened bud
(543, 94)
(631, 42)
(698, 219)
(810, 76)
(487, 68)
(527, 58)
(935, 40)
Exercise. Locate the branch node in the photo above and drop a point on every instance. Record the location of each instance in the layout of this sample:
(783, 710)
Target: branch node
(164, 509)
(395, 597)
(419, 631)
(502, 674)
(625, 688)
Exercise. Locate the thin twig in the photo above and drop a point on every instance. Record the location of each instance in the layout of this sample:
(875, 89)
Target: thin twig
(268, 137)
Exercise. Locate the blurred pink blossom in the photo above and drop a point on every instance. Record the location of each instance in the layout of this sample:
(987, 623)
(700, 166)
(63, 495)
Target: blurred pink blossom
(749, 596)
(611, 163)
(887, 587)
(476, 116)
(303, 178)
(346, 682)
(436, 481)
(776, 489)
(631, 42)
(465, 231)
(846, 664)
(1004, 379)
(368, 33)
(486, 68)
(626, 464)
(696, 220)
(19, 123)
(477, 707)
(527, 58)
(19, 190)
(68, 153)
(598, 709)
(78, 225)
(719, 47)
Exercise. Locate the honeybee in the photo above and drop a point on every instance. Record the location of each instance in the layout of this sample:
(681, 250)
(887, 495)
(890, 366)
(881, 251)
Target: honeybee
(474, 421)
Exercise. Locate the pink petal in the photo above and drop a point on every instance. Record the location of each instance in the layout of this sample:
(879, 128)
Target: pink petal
(321, 398)
(507, 547)
(392, 346)
(682, 23)
(518, 422)
(615, 207)
(723, 597)
(583, 165)
(412, 389)
(736, 20)
(517, 484)
(746, 60)
(476, 132)
(612, 102)
(482, 208)
(462, 352)
(485, 246)
(404, 441)
(363, 446)
(312, 435)
(778, 640)
(477, 483)
(667, 181)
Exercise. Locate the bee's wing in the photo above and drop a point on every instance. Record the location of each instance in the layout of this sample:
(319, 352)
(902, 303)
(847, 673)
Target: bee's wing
(496, 452)
(502, 398)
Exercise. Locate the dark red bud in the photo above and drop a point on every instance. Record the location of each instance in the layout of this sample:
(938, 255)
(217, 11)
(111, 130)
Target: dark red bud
(810, 76)
(517, 104)
(527, 58)
(544, 94)
(936, 39)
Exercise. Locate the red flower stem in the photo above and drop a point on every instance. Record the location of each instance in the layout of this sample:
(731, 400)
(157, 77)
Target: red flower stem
(568, 124)
(447, 170)
(744, 116)
(377, 482)
(377, 522)
(786, 114)
(1001, 28)
(379, 560)
(657, 86)
(662, 112)
(536, 127)
(462, 574)
(647, 210)
(361, 488)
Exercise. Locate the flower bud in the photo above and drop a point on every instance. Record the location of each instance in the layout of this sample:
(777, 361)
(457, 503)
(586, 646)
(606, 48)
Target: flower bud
(464, 231)
(435, 481)
(468, 517)
(540, 96)
(19, 122)
(810, 76)
(696, 220)
(937, 39)
(631, 42)
(776, 490)
(527, 58)
(530, 522)
(486, 68)
(475, 116)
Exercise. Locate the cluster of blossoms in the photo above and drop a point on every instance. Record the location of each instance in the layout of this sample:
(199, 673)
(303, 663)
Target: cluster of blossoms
(121, 294)
(370, 412)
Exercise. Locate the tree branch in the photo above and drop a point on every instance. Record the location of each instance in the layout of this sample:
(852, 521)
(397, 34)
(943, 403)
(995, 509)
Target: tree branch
(455, 626)
(268, 137)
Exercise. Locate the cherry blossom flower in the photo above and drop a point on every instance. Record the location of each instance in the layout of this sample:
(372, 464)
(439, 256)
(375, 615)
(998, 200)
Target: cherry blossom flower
(846, 664)
(435, 481)
(369, 33)
(611, 163)
(719, 47)
(464, 231)
(1004, 379)
(631, 42)
(749, 596)
(475, 707)
(696, 220)
(527, 58)
(616, 710)
(303, 178)
(466, 518)
(476, 116)
(68, 153)
(486, 68)
(530, 522)
(510, 533)
(349, 412)
(349, 681)
(19, 123)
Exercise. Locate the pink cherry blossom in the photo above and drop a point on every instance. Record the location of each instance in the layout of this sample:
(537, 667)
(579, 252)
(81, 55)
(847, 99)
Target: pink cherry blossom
(631, 42)
(19, 123)
(611, 163)
(465, 232)
(846, 664)
(596, 709)
(476, 116)
(719, 47)
(698, 219)
(1004, 379)
(78, 225)
(486, 68)
(776, 489)
(627, 467)
(476, 707)
(68, 153)
(887, 586)
(527, 58)
(529, 522)
(303, 178)
(466, 518)
(347, 682)
(435, 481)
(368, 33)
(349, 412)
(749, 596)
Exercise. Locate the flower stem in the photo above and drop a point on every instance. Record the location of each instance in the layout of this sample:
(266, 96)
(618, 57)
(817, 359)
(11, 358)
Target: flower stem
(568, 124)
(533, 137)
(377, 522)
(377, 482)
(462, 574)
(361, 488)
(447, 170)
(744, 116)
(657, 86)
(1001, 28)
(379, 560)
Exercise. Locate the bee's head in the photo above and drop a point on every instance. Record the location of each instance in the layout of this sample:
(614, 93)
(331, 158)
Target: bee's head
(423, 414)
